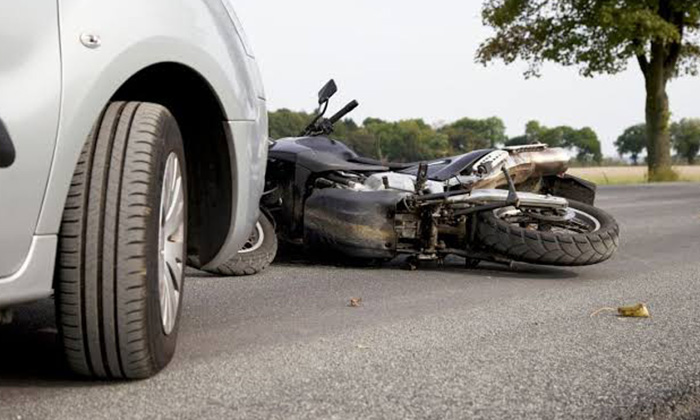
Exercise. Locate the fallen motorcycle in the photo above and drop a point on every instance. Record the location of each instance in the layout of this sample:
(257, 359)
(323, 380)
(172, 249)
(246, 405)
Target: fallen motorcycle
(498, 205)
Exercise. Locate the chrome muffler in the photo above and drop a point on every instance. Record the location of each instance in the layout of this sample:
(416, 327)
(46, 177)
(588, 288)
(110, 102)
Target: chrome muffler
(522, 162)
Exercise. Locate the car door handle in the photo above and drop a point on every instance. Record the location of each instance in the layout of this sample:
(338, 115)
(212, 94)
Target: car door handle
(7, 149)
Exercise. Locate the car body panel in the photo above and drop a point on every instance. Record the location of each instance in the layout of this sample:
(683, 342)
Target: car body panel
(186, 32)
(30, 91)
(131, 35)
(34, 278)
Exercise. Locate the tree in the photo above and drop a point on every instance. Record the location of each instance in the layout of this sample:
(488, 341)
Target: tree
(686, 138)
(632, 142)
(471, 134)
(601, 37)
(286, 123)
(585, 142)
(408, 140)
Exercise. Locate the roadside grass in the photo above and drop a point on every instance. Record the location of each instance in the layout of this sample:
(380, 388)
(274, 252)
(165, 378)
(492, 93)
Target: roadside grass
(621, 175)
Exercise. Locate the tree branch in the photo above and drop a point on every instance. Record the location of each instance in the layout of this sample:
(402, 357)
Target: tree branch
(675, 49)
(641, 56)
(643, 63)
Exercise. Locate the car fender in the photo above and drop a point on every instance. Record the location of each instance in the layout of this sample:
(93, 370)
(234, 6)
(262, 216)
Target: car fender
(130, 35)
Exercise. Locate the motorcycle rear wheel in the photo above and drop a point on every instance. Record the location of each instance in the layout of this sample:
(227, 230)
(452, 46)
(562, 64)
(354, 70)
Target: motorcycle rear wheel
(592, 237)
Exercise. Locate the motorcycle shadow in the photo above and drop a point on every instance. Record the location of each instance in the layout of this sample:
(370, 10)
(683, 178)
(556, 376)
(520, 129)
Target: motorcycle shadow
(452, 264)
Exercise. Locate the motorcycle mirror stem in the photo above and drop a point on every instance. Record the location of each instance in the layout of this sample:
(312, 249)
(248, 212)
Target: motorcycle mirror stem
(324, 96)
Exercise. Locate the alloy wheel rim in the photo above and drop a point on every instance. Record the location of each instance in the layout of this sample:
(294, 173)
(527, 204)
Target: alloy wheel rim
(255, 241)
(171, 243)
(575, 220)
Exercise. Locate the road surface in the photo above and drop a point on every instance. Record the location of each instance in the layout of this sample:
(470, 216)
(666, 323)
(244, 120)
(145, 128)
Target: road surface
(434, 343)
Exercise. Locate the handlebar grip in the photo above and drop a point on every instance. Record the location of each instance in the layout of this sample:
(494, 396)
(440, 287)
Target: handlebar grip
(343, 112)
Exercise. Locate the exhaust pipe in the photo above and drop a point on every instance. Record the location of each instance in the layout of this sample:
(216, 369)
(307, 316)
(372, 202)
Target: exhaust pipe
(524, 163)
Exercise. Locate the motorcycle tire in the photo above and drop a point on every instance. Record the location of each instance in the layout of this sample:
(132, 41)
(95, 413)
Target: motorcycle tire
(551, 247)
(256, 255)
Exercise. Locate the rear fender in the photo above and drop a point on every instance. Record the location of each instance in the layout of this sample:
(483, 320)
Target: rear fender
(570, 187)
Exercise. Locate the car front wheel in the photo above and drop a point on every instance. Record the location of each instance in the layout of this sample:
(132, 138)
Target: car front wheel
(122, 245)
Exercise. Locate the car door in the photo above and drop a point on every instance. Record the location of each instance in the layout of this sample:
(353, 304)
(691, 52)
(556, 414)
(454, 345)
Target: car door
(30, 94)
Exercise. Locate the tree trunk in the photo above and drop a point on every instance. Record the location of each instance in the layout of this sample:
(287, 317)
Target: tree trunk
(658, 118)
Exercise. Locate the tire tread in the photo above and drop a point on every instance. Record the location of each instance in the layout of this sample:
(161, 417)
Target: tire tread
(551, 248)
(101, 271)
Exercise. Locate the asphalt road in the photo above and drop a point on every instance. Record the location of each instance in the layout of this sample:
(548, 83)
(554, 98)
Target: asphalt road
(435, 343)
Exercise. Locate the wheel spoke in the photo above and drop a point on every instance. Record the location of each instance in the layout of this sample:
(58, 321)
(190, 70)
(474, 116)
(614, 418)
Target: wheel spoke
(175, 221)
(173, 298)
(173, 262)
(165, 299)
(171, 242)
(175, 197)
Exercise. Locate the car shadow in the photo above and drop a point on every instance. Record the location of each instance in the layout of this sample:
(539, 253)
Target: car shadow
(30, 352)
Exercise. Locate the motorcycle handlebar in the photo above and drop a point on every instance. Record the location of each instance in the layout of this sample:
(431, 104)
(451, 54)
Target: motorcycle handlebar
(343, 112)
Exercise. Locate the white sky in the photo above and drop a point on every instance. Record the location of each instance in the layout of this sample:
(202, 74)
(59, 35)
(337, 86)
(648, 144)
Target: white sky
(415, 59)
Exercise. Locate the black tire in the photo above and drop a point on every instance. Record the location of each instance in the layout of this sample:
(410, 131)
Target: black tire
(247, 263)
(107, 285)
(551, 248)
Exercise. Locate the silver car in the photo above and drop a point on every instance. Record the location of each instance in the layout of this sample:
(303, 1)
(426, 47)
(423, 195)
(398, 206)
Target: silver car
(132, 139)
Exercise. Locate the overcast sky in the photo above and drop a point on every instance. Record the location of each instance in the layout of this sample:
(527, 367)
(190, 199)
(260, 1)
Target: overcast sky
(415, 59)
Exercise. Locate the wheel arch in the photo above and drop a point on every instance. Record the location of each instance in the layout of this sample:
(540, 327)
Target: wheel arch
(200, 116)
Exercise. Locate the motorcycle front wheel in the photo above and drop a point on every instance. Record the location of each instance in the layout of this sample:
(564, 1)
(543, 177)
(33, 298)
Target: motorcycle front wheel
(589, 237)
(257, 253)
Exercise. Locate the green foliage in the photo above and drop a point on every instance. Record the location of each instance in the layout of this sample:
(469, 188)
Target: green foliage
(408, 140)
(685, 135)
(414, 140)
(599, 36)
(632, 142)
(402, 141)
(583, 141)
(285, 123)
(470, 134)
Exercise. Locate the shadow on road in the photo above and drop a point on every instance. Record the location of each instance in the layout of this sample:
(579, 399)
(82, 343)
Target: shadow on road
(30, 354)
(452, 265)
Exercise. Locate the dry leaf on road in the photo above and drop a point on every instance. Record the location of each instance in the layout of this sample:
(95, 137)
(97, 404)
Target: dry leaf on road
(639, 310)
(355, 302)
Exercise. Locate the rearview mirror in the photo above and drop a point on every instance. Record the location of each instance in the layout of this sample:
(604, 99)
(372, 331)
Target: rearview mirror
(327, 92)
